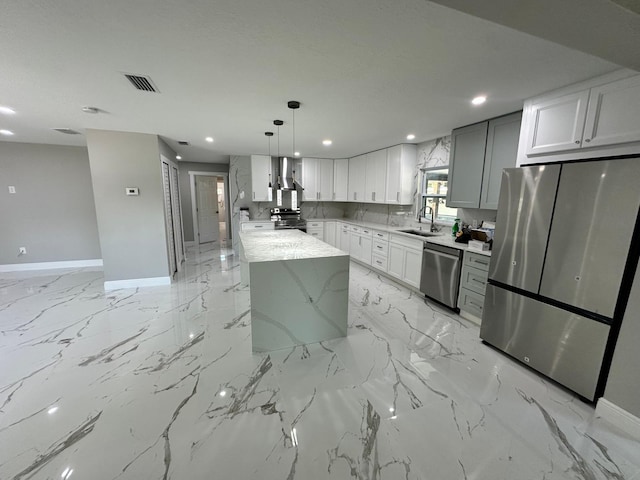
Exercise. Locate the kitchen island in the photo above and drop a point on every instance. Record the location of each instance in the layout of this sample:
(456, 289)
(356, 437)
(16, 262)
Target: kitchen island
(299, 288)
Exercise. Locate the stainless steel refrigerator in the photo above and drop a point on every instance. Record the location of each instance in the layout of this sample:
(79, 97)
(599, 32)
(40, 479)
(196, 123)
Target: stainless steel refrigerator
(563, 259)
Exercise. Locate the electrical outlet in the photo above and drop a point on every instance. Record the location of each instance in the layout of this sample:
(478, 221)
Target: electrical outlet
(22, 251)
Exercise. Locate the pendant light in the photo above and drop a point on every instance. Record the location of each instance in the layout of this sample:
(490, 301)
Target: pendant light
(278, 123)
(269, 135)
(294, 105)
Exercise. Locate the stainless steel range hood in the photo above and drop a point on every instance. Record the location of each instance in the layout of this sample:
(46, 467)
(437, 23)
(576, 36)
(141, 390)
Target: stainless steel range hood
(286, 173)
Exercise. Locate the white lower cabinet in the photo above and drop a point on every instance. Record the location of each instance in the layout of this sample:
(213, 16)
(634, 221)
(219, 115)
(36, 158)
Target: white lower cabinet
(316, 229)
(405, 259)
(330, 233)
(360, 244)
(345, 236)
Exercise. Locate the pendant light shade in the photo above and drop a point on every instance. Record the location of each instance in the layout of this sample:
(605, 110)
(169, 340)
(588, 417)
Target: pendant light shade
(278, 124)
(293, 105)
(269, 135)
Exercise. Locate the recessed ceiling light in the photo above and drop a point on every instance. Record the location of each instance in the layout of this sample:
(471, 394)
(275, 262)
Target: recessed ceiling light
(327, 142)
(479, 100)
(411, 136)
(178, 157)
(6, 132)
(7, 110)
(209, 139)
(297, 154)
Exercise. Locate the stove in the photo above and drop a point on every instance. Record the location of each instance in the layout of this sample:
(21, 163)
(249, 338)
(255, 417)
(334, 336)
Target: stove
(288, 218)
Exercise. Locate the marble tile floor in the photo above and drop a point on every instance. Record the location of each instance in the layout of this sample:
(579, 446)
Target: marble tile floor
(160, 383)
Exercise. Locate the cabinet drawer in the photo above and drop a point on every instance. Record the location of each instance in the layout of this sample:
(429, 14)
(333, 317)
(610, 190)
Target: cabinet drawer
(380, 247)
(378, 235)
(474, 279)
(316, 233)
(315, 224)
(248, 226)
(471, 302)
(379, 261)
(477, 261)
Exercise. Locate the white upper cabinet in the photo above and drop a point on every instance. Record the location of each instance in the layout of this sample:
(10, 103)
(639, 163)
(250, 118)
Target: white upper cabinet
(310, 179)
(375, 176)
(595, 118)
(317, 179)
(357, 168)
(341, 179)
(557, 123)
(614, 113)
(260, 170)
(401, 163)
(325, 174)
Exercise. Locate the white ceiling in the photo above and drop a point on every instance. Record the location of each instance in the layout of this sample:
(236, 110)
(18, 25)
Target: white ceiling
(367, 72)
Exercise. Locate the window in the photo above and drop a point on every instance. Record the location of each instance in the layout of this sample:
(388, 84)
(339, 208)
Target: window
(434, 195)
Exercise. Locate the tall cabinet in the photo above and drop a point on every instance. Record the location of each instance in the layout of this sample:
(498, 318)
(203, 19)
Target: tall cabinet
(260, 171)
(479, 153)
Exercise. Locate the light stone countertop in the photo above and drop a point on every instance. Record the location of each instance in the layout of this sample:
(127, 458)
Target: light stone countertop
(443, 238)
(274, 245)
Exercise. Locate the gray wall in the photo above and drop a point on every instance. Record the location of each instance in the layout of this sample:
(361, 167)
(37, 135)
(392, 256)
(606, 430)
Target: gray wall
(185, 190)
(132, 228)
(623, 385)
(52, 213)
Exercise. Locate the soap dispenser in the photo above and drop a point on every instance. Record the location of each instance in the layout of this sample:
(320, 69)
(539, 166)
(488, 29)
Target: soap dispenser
(456, 227)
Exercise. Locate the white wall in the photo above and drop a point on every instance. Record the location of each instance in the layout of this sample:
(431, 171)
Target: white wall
(52, 213)
(132, 228)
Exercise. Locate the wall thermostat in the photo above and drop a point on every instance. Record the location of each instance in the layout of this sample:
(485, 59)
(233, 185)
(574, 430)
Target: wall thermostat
(132, 191)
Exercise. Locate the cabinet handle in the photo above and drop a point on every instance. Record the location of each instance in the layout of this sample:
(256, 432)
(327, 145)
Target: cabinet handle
(479, 281)
(481, 263)
(379, 247)
(587, 140)
(373, 197)
(577, 142)
(333, 197)
(475, 305)
(254, 195)
(355, 195)
(398, 197)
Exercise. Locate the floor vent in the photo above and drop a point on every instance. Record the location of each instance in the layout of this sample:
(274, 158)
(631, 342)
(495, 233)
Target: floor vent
(67, 131)
(141, 82)
(182, 142)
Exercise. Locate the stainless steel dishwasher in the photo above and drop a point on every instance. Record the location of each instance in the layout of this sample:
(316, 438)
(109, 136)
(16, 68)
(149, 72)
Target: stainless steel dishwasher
(441, 273)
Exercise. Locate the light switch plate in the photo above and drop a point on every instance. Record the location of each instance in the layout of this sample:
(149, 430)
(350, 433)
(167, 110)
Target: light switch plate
(132, 191)
(12, 189)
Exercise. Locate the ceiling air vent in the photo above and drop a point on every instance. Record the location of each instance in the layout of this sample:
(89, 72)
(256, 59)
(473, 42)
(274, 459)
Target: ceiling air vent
(141, 82)
(67, 131)
(182, 142)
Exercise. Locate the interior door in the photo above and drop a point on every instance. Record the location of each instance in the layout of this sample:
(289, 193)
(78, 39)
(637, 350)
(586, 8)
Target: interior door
(207, 208)
(168, 216)
(176, 209)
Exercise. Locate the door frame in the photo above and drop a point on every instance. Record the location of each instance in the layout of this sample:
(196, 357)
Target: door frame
(194, 200)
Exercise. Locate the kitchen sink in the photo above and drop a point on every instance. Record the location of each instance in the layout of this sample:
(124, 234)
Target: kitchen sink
(421, 233)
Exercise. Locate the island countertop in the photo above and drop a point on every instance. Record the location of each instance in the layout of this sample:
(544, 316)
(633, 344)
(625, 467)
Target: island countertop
(275, 245)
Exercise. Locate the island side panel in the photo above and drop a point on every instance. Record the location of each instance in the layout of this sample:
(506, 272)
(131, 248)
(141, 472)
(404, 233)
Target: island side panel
(296, 302)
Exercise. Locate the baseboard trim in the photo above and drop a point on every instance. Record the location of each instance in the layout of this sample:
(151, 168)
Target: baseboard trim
(137, 282)
(22, 267)
(618, 417)
(471, 317)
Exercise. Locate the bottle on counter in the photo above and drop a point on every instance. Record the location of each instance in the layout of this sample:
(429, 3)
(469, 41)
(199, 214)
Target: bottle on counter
(456, 227)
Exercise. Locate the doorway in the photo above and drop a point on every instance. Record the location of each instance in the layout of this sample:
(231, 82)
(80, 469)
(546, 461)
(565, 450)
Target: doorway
(209, 200)
(207, 209)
